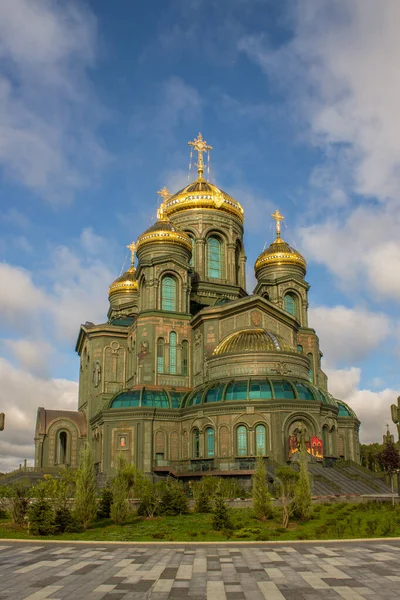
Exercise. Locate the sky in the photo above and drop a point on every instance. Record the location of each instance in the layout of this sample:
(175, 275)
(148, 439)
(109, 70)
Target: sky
(98, 100)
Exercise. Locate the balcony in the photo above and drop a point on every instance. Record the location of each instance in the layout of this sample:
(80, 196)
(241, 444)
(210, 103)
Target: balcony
(198, 467)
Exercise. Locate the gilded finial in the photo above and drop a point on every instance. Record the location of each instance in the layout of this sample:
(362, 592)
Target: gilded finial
(278, 218)
(200, 146)
(132, 248)
(165, 194)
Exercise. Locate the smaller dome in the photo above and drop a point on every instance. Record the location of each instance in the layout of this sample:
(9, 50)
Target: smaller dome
(252, 340)
(345, 410)
(125, 283)
(163, 231)
(280, 253)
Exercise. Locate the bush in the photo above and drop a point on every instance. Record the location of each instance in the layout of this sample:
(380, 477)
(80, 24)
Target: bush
(262, 503)
(86, 496)
(19, 498)
(221, 518)
(202, 498)
(104, 506)
(41, 518)
(173, 499)
(62, 519)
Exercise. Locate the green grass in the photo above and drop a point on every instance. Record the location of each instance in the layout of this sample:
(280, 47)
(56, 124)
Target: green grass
(336, 521)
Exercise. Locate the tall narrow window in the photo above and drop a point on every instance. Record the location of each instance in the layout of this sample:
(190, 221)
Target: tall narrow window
(261, 440)
(62, 449)
(290, 304)
(192, 261)
(185, 358)
(168, 293)
(160, 355)
(241, 434)
(210, 442)
(172, 353)
(196, 443)
(311, 369)
(214, 258)
(237, 264)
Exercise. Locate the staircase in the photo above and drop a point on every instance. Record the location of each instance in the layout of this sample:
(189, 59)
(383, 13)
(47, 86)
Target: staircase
(344, 480)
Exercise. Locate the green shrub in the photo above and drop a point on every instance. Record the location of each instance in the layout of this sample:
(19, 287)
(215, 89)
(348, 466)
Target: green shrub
(104, 506)
(19, 497)
(173, 499)
(262, 503)
(86, 496)
(221, 518)
(41, 518)
(62, 519)
(371, 526)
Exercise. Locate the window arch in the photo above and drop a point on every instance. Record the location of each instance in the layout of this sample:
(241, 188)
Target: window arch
(168, 293)
(172, 353)
(290, 304)
(214, 258)
(261, 440)
(241, 440)
(311, 369)
(196, 443)
(185, 358)
(210, 442)
(160, 355)
(193, 244)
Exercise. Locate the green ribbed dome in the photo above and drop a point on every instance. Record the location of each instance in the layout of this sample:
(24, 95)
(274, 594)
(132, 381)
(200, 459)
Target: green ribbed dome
(252, 340)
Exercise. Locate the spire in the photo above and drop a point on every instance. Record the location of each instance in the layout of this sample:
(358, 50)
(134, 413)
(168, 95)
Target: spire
(200, 146)
(164, 194)
(132, 248)
(277, 218)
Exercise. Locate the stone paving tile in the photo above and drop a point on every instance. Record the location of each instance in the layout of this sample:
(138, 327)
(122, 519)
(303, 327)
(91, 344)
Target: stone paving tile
(350, 571)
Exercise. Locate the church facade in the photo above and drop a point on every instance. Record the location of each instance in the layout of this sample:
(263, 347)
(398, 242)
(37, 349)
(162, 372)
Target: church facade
(191, 374)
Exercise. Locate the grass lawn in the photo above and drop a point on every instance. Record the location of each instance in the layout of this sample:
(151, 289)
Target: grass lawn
(336, 521)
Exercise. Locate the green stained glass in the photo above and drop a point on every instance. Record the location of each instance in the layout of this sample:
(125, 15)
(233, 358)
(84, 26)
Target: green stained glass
(261, 446)
(241, 434)
(196, 443)
(214, 258)
(172, 353)
(185, 358)
(236, 391)
(160, 355)
(283, 390)
(260, 389)
(290, 304)
(168, 294)
(210, 442)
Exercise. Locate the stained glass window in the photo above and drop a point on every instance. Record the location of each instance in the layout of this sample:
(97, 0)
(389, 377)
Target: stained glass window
(191, 262)
(160, 355)
(214, 258)
(196, 443)
(260, 389)
(172, 353)
(236, 391)
(168, 294)
(283, 390)
(185, 357)
(290, 304)
(210, 442)
(241, 435)
(261, 446)
(311, 370)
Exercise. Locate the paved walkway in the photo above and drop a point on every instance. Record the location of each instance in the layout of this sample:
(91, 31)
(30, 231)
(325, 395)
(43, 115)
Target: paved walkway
(312, 570)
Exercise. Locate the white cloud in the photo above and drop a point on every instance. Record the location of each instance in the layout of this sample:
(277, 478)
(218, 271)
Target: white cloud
(348, 334)
(48, 113)
(19, 296)
(20, 395)
(31, 355)
(371, 407)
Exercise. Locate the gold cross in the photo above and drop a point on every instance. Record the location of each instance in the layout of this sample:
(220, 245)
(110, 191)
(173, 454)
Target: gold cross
(278, 218)
(132, 248)
(200, 146)
(164, 193)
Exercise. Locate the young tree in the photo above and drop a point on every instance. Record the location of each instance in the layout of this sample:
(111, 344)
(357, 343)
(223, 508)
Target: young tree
(120, 491)
(149, 495)
(221, 518)
(202, 498)
(287, 479)
(302, 495)
(173, 499)
(85, 496)
(41, 515)
(59, 492)
(262, 503)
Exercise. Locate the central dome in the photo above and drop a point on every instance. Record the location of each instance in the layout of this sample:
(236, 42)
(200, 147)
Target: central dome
(203, 194)
(252, 340)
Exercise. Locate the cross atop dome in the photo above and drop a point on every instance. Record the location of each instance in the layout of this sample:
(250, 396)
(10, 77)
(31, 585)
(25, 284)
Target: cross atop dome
(165, 195)
(277, 218)
(132, 248)
(200, 146)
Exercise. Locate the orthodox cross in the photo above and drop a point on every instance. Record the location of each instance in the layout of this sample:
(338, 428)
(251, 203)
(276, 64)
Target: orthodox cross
(200, 146)
(278, 218)
(132, 248)
(164, 194)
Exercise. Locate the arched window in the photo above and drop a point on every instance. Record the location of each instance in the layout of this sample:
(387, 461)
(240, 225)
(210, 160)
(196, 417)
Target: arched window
(192, 259)
(185, 357)
(210, 442)
(172, 353)
(299, 348)
(325, 447)
(62, 448)
(290, 304)
(237, 263)
(311, 369)
(168, 293)
(196, 443)
(160, 355)
(241, 440)
(261, 440)
(214, 258)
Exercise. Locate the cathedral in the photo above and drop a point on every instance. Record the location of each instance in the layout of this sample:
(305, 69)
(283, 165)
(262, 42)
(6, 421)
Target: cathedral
(191, 374)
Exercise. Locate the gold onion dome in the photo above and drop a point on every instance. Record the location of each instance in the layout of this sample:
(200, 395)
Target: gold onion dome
(201, 193)
(163, 231)
(279, 252)
(252, 340)
(127, 281)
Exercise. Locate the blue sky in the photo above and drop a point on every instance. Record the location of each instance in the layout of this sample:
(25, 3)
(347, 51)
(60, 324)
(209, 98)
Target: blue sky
(98, 100)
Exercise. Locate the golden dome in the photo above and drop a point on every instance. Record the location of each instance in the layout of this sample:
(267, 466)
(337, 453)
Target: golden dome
(279, 252)
(125, 283)
(163, 231)
(252, 340)
(202, 193)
